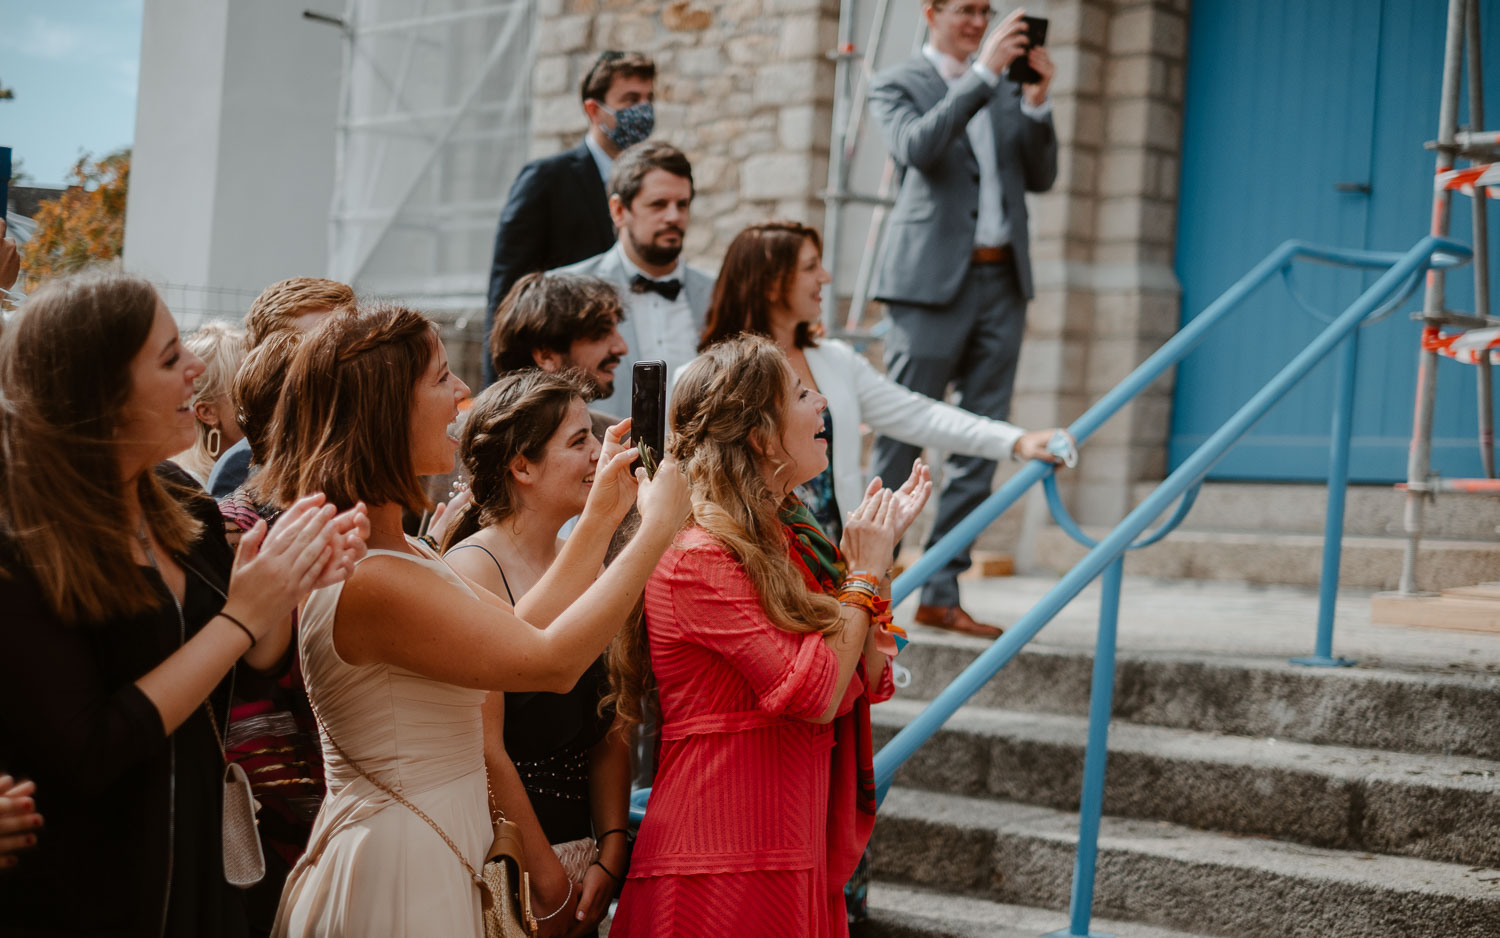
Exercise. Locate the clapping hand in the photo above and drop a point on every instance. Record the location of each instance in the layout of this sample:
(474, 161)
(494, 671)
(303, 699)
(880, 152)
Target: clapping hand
(869, 541)
(18, 819)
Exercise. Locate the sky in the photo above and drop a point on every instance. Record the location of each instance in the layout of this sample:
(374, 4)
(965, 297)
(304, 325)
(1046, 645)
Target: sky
(72, 65)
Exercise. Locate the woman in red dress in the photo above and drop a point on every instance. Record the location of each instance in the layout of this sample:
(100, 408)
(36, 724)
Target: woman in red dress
(767, 649)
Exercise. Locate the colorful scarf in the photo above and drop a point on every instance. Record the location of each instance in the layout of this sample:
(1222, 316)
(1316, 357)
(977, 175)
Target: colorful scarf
(851, 802)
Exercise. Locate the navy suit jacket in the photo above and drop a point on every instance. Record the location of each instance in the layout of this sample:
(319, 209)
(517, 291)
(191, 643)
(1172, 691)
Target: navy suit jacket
(557, 214)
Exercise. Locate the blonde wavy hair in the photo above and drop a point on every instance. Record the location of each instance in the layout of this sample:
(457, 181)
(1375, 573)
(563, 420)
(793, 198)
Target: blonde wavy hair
(727, 415)
(222, 346)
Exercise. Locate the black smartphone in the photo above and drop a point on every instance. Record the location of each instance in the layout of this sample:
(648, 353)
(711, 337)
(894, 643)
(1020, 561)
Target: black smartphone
(1020, 71)
(648, 412)
(4, 182)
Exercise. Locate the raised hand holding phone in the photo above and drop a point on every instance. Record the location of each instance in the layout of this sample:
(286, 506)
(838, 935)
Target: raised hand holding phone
(648, 412)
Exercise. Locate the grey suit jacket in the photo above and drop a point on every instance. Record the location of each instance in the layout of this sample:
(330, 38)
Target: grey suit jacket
(931, 234)
(699, 288)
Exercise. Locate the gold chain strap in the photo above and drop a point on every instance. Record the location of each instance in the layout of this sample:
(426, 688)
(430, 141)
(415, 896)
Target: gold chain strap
(478, 880)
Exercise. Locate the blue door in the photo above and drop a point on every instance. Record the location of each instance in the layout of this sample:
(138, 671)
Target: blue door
(1306, 120)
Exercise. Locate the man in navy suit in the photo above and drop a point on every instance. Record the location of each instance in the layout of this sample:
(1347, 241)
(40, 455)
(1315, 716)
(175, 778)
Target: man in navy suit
(957, 266)
(558, 212)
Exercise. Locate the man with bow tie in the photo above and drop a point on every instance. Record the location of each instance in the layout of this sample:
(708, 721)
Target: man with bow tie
(956, 273)
(650, 200)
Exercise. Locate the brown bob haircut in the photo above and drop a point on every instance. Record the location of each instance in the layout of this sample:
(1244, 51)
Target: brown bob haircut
(551, 311)
(632, 166)
(281, 304)
(343, 424)
(760, 261)
(65, 376)
(613, 64)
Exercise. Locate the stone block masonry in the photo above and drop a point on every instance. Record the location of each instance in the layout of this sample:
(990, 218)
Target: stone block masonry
(743, 87)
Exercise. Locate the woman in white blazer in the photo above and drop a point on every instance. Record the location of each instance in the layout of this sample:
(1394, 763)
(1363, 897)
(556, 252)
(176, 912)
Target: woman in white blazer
(771, 283)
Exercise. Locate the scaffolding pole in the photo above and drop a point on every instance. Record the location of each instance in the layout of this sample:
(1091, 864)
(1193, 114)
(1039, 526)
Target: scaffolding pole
(1473, 143)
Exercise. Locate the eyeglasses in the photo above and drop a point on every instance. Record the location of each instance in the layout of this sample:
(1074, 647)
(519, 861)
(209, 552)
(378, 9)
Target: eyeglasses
(969, 12)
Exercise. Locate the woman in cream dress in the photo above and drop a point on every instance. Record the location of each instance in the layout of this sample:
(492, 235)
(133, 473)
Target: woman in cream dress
(398, 659)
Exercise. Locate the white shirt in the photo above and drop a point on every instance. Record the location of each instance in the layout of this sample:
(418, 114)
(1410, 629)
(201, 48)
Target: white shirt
(992, 229)
(664, 329)
(601, 159)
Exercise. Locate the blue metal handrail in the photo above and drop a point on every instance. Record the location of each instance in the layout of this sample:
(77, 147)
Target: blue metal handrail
(1106, 556)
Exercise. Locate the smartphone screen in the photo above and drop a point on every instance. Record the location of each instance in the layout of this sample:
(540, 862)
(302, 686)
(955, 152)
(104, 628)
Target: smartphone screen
(1020, 71)
(4, 182)
(648, 412)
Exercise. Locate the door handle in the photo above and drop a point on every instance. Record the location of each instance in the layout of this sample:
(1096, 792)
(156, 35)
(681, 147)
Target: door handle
(1361, 187)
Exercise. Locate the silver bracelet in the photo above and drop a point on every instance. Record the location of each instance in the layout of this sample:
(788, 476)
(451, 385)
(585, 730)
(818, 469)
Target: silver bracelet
(566, 899)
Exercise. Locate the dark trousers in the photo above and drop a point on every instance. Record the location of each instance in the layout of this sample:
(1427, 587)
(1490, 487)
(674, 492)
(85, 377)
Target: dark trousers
(973, 345)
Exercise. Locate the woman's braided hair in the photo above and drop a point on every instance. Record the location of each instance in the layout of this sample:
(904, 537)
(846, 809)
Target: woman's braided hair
(343, 423)
(727, 410)
(515, 416)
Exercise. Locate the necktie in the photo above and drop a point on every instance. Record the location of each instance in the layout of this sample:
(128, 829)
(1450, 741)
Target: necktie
(667, 288)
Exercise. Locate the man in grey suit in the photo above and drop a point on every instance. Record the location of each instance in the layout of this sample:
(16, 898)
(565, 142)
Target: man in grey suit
(956, 273)
(650, 201)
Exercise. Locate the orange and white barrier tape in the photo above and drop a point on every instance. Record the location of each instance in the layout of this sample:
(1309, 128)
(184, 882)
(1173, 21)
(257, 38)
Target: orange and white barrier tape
(1468, 179)
(1467, 347)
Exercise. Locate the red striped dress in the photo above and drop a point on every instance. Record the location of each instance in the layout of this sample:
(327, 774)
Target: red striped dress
(740, 837)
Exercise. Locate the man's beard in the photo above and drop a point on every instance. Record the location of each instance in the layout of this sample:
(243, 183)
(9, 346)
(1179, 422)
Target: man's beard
(654, 254)
(594, 388)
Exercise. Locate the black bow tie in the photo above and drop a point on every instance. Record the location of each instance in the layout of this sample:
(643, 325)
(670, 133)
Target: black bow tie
(667, 288)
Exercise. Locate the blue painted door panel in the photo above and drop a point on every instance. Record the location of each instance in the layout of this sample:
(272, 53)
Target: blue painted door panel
(1286, 100)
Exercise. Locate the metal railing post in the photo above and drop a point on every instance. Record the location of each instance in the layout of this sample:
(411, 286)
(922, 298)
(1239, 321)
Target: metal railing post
(1333, 522)
(1096, 756)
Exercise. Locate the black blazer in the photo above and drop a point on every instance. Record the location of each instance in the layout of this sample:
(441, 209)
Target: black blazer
(557, 214)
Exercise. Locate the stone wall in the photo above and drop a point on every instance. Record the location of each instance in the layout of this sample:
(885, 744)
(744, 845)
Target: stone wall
(744, 88)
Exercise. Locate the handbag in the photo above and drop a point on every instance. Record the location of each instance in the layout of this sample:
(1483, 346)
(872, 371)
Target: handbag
(505, 885)
(576, 856)
(244, 860)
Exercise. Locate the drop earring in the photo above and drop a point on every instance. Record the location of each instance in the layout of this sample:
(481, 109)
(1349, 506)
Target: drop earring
(215, 439)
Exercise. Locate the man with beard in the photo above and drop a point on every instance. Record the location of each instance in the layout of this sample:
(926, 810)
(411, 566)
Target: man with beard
(665, 301)
(561, 322)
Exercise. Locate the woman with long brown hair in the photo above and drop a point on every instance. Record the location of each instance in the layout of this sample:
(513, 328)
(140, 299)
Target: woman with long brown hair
(771, 284)
(127, 616)
(766, 645)
(555, 767)
(399, 659)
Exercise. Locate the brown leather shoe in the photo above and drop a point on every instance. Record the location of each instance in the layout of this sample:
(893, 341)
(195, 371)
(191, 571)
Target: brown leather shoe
(954, 619)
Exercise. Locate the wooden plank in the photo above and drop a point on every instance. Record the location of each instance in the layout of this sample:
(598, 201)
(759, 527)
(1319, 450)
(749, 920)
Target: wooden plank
(1488, 591)
(1436, 612)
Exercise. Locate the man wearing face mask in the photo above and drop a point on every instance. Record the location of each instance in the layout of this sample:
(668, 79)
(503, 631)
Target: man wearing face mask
(665, 300)
(557, 212)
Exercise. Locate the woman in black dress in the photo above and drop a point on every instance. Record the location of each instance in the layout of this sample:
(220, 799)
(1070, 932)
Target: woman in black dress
(557, 768)
(127, 617)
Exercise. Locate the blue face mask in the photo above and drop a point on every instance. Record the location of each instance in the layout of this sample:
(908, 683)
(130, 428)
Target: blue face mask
(632, 124)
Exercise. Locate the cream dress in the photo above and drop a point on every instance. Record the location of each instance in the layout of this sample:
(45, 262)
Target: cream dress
(372, 867)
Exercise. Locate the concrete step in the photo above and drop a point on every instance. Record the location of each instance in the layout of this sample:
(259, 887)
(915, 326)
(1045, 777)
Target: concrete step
(1432, 807)
(1370, 510)
(1369, 708)
(1164, 874)
(904, 912)
(1286, 558)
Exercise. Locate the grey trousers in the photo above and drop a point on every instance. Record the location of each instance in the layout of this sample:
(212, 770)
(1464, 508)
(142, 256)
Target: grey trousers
(972, 345)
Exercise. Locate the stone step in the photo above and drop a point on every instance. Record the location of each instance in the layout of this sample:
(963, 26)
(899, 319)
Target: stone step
(904, 912)
(1369, 708)
(1432, 807)
(1288, 559)
(1371, 510)
(1165, 874)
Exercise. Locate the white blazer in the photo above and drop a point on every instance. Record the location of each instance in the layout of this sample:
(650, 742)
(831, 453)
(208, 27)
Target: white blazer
(859, 396)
